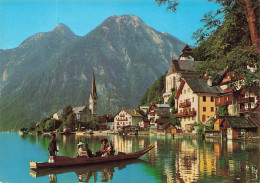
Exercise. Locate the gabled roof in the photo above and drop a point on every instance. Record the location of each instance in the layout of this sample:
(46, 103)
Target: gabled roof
(163, 105)
(199, 85)
(77, 110)
(163, 120)
(165, 126)
(182, 66)
(163, 112)
(239, 122)
(131, 112)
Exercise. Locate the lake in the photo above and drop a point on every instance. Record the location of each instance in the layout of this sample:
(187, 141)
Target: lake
(172, 160)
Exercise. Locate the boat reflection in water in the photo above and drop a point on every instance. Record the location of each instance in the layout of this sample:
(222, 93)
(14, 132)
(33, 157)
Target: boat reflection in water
(85, 173)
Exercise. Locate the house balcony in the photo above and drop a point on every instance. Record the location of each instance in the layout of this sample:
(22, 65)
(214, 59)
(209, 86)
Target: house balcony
(243, 110)
(185, 113)
(223, 102)
(246, 100)
(122, 115)
(185, 104)
(122, 119)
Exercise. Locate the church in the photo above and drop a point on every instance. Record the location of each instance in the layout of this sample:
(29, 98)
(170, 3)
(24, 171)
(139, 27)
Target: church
(184, 67)
(82, 111)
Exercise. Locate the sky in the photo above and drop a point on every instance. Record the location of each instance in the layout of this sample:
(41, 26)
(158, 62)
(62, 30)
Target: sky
(20, 19)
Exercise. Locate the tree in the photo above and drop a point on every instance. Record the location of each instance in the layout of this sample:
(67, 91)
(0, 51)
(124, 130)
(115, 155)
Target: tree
(71, 121)
(92, 120)
(66, 112)
(43, 122)
(250, 10)
(229, 39)
(32, 126)
(171, 100)
(222, 111)
(175, 121)
(52, 124)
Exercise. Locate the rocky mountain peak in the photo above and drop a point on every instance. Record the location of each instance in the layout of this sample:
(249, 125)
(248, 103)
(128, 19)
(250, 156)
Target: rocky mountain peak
(62, 28)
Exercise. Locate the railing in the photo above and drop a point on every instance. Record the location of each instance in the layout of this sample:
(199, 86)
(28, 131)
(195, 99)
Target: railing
(121, 119)
(244, 110)
(185, 113)
(223, 102)
(185, 104)
(246, 100)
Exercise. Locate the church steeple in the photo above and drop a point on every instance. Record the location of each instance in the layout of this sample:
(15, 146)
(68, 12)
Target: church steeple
(93, 89)
(93, 98)
(187, 53)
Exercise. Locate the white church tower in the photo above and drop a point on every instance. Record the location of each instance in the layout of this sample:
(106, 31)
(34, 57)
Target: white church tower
(93, 98)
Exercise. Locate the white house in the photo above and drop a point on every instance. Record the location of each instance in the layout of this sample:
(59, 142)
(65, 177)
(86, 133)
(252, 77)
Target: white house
(127, 117)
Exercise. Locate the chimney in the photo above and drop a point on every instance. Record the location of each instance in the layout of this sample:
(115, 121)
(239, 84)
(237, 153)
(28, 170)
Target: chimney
(209, 82)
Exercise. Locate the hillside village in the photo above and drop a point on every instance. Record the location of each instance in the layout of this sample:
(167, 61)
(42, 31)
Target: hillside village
(199, 105)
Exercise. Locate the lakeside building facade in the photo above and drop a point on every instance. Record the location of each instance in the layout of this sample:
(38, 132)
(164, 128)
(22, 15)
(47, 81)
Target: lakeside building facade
(127, 117)
(195, 101)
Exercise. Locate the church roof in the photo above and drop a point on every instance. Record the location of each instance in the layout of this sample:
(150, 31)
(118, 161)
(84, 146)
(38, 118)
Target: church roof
(182, 66)
(77, 110)
(187, 51)
(93, 88)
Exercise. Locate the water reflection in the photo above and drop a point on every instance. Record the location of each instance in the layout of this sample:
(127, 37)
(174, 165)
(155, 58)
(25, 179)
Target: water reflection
(94, 173)
(172, 160)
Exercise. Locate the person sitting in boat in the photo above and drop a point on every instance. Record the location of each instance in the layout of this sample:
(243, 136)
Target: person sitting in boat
(110, 149)
(88, 151)
(103, 148)
(80, 151)
(52, 148)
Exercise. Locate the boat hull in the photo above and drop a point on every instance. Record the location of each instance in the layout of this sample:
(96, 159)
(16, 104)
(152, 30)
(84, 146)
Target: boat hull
(62, 161)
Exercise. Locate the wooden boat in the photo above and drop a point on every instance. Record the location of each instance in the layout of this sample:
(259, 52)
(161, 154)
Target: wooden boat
(63, 161)
(83, 169)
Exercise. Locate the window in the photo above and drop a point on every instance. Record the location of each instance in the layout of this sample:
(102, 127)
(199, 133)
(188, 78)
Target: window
(203, 118)
(246, 105)
(252, 105)
(212, 99)
(204, 109)
(212, 109)
(246, 95)
(204, 98)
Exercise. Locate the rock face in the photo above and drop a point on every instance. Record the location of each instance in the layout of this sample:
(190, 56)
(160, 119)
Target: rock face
(51, 70)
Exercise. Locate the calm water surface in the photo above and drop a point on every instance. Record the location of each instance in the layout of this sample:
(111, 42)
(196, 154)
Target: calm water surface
(172, 160)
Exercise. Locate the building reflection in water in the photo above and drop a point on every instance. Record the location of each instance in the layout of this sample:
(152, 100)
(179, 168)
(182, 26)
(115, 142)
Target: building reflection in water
(188, 162)
(123, 144)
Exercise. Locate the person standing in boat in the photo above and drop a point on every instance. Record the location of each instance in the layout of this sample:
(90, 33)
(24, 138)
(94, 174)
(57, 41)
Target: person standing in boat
(52, 148)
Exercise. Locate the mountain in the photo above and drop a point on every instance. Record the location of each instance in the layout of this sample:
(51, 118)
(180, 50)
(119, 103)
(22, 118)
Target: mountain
(53, 69)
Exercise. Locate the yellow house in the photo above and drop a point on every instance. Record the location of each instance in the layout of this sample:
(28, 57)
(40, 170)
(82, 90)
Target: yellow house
(195, 101)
